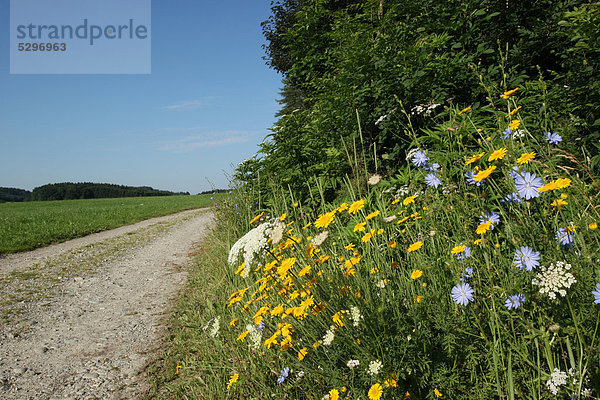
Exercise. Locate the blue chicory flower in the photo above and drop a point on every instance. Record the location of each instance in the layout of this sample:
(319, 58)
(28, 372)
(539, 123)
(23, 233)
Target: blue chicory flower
(462, 294)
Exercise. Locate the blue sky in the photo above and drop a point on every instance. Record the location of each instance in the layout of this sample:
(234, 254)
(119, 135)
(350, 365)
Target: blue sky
(208, 102)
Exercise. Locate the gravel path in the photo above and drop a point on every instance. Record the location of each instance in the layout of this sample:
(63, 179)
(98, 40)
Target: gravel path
(83, 319)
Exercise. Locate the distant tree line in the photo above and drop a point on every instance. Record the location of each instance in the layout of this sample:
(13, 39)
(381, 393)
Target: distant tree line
(213, 191)
(86, 190)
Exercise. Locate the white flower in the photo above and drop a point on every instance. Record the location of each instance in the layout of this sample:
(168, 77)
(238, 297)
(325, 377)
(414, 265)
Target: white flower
(355, 315)
(374, 179)
(390, 218)
(554, 279)
(557, 378)
(214, 332)
(375, 367)
(329, 336)
(353, 363)
(250, 244)
(300, 375)
(255, 337)
(380, 284)
(277, 232)
(320, 238)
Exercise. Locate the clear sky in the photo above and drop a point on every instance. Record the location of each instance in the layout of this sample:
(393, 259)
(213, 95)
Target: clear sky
(208, 102)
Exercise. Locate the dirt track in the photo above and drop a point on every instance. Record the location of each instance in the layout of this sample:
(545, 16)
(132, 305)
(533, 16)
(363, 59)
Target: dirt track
(82, 319)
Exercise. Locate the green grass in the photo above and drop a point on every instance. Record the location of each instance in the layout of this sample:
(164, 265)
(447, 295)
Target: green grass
(29, 225)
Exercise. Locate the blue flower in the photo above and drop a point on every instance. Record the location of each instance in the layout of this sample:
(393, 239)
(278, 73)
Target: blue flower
(490, 217)
(284, 374)
(433, 167)
(596, 294)
(470, 175)
(526, 258)
(260, 326)
(528, 185)
(552, 138)
(432, 180)
(565, 237)
(466, 253)
(462, 294)
(512, 198)
(506, 134)
(420, 158)
(466, 275)
(514, 301)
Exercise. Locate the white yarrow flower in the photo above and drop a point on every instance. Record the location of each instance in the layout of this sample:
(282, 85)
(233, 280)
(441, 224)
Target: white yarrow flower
(329, 336)
(557, 379)
(353, 363)
(355, 315)
(374, 367)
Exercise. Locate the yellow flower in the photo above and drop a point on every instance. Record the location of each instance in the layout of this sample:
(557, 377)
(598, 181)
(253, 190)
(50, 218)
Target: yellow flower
(526, 157)
(437, 393)
(418, 299)
(349, 247)
(302, 353)
(408, 200)
(558, 203)
(337, 318)
(234, 379)
(514, 125)
(372, 215)
(392, 244)
(366, 238)
(357, 205)
(505, 95)
(242, 336)
(343, 207)
(285, 266)
(233, 322)
(324, 220)
(271, 341)
(390, 382)
(307, 225)
(283, 216)
(296, 204)
(375, 392)
(558, 184)
(478, 242)
(257, 217)
(484, 227)
(458, 249)
(304, 270)
(593, 226)
(417, 273)
(414, 247)
(513, 112)
(407, 395)
(481, 175)
(498, 154)
(474, 158)
(396, 201)
(334, 394)
(464, 110)
(360, 227)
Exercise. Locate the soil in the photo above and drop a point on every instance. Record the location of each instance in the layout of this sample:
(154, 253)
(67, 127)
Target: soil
(83, 319)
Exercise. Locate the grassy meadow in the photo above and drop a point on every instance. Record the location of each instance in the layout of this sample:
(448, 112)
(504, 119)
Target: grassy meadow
(28, 225)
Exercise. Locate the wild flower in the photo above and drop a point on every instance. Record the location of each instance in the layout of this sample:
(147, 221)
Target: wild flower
(329, 336)
(282, 375)
(525, 158)
(334, 394)
(512, 198)
(498, 154)
(596, 294)
(375, 392)
(507, 133)
(509, 93)
(255, 338)
(414, 247)
(320, 238)
(526, 259)
(353, 363)
(300, 375)
(527, 185)
(250, 244)
(565, 236)
(470, 175)
(355, 315)
(491, 217)
(433, 180)
(277, 232)
(464, 254)
(375, 367)
(214, 332)
(374, 179)
(417, 273)
(357, 205)
(552, 138)
(324, 220)
(514, 301)
(437, 393)
(420, 158)
(474, 158)
(232, 380)
(554, 279)
(557, 379)
(481, 175)
(462, 294)
(466, 275)
(431, 167)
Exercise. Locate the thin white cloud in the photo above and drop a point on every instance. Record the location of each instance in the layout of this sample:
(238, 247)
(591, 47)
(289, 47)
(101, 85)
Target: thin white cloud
(204, 140)
(189, 104)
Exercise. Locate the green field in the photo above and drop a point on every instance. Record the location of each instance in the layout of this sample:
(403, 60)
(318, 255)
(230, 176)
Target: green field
(26, 226)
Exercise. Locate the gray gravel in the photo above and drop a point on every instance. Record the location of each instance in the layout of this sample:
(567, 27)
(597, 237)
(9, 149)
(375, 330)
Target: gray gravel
(93, 335)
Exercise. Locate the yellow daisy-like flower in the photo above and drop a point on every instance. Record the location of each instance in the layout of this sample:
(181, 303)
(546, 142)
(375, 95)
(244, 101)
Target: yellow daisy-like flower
(390, 383)
(481, 175)
(474, 158)
(513, 112)
(414, 247)
(593, 226)
(243, 336)
(234, 379)
(343, 207)
(360, 227)
(366, 238)
(392, 244)
(514, 125)
(396, 201)
(372, 215)
(324, 220)
(483, 228)
(349, 247)
(464, 110)
(509, 93)
(498, 154)
(283, 217)
(558, 203)
(357, 205)
(558, 184)
(375, 392)
(437, 393)
(417, 273)
(271, 341)
(285, 266)
(304, 270)
(408, 200)
(418, 299)
(233, 322)
(334, 394)
(253, 220)
(458, 249)
(526, 157)
(302, 353)
(478, 242)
